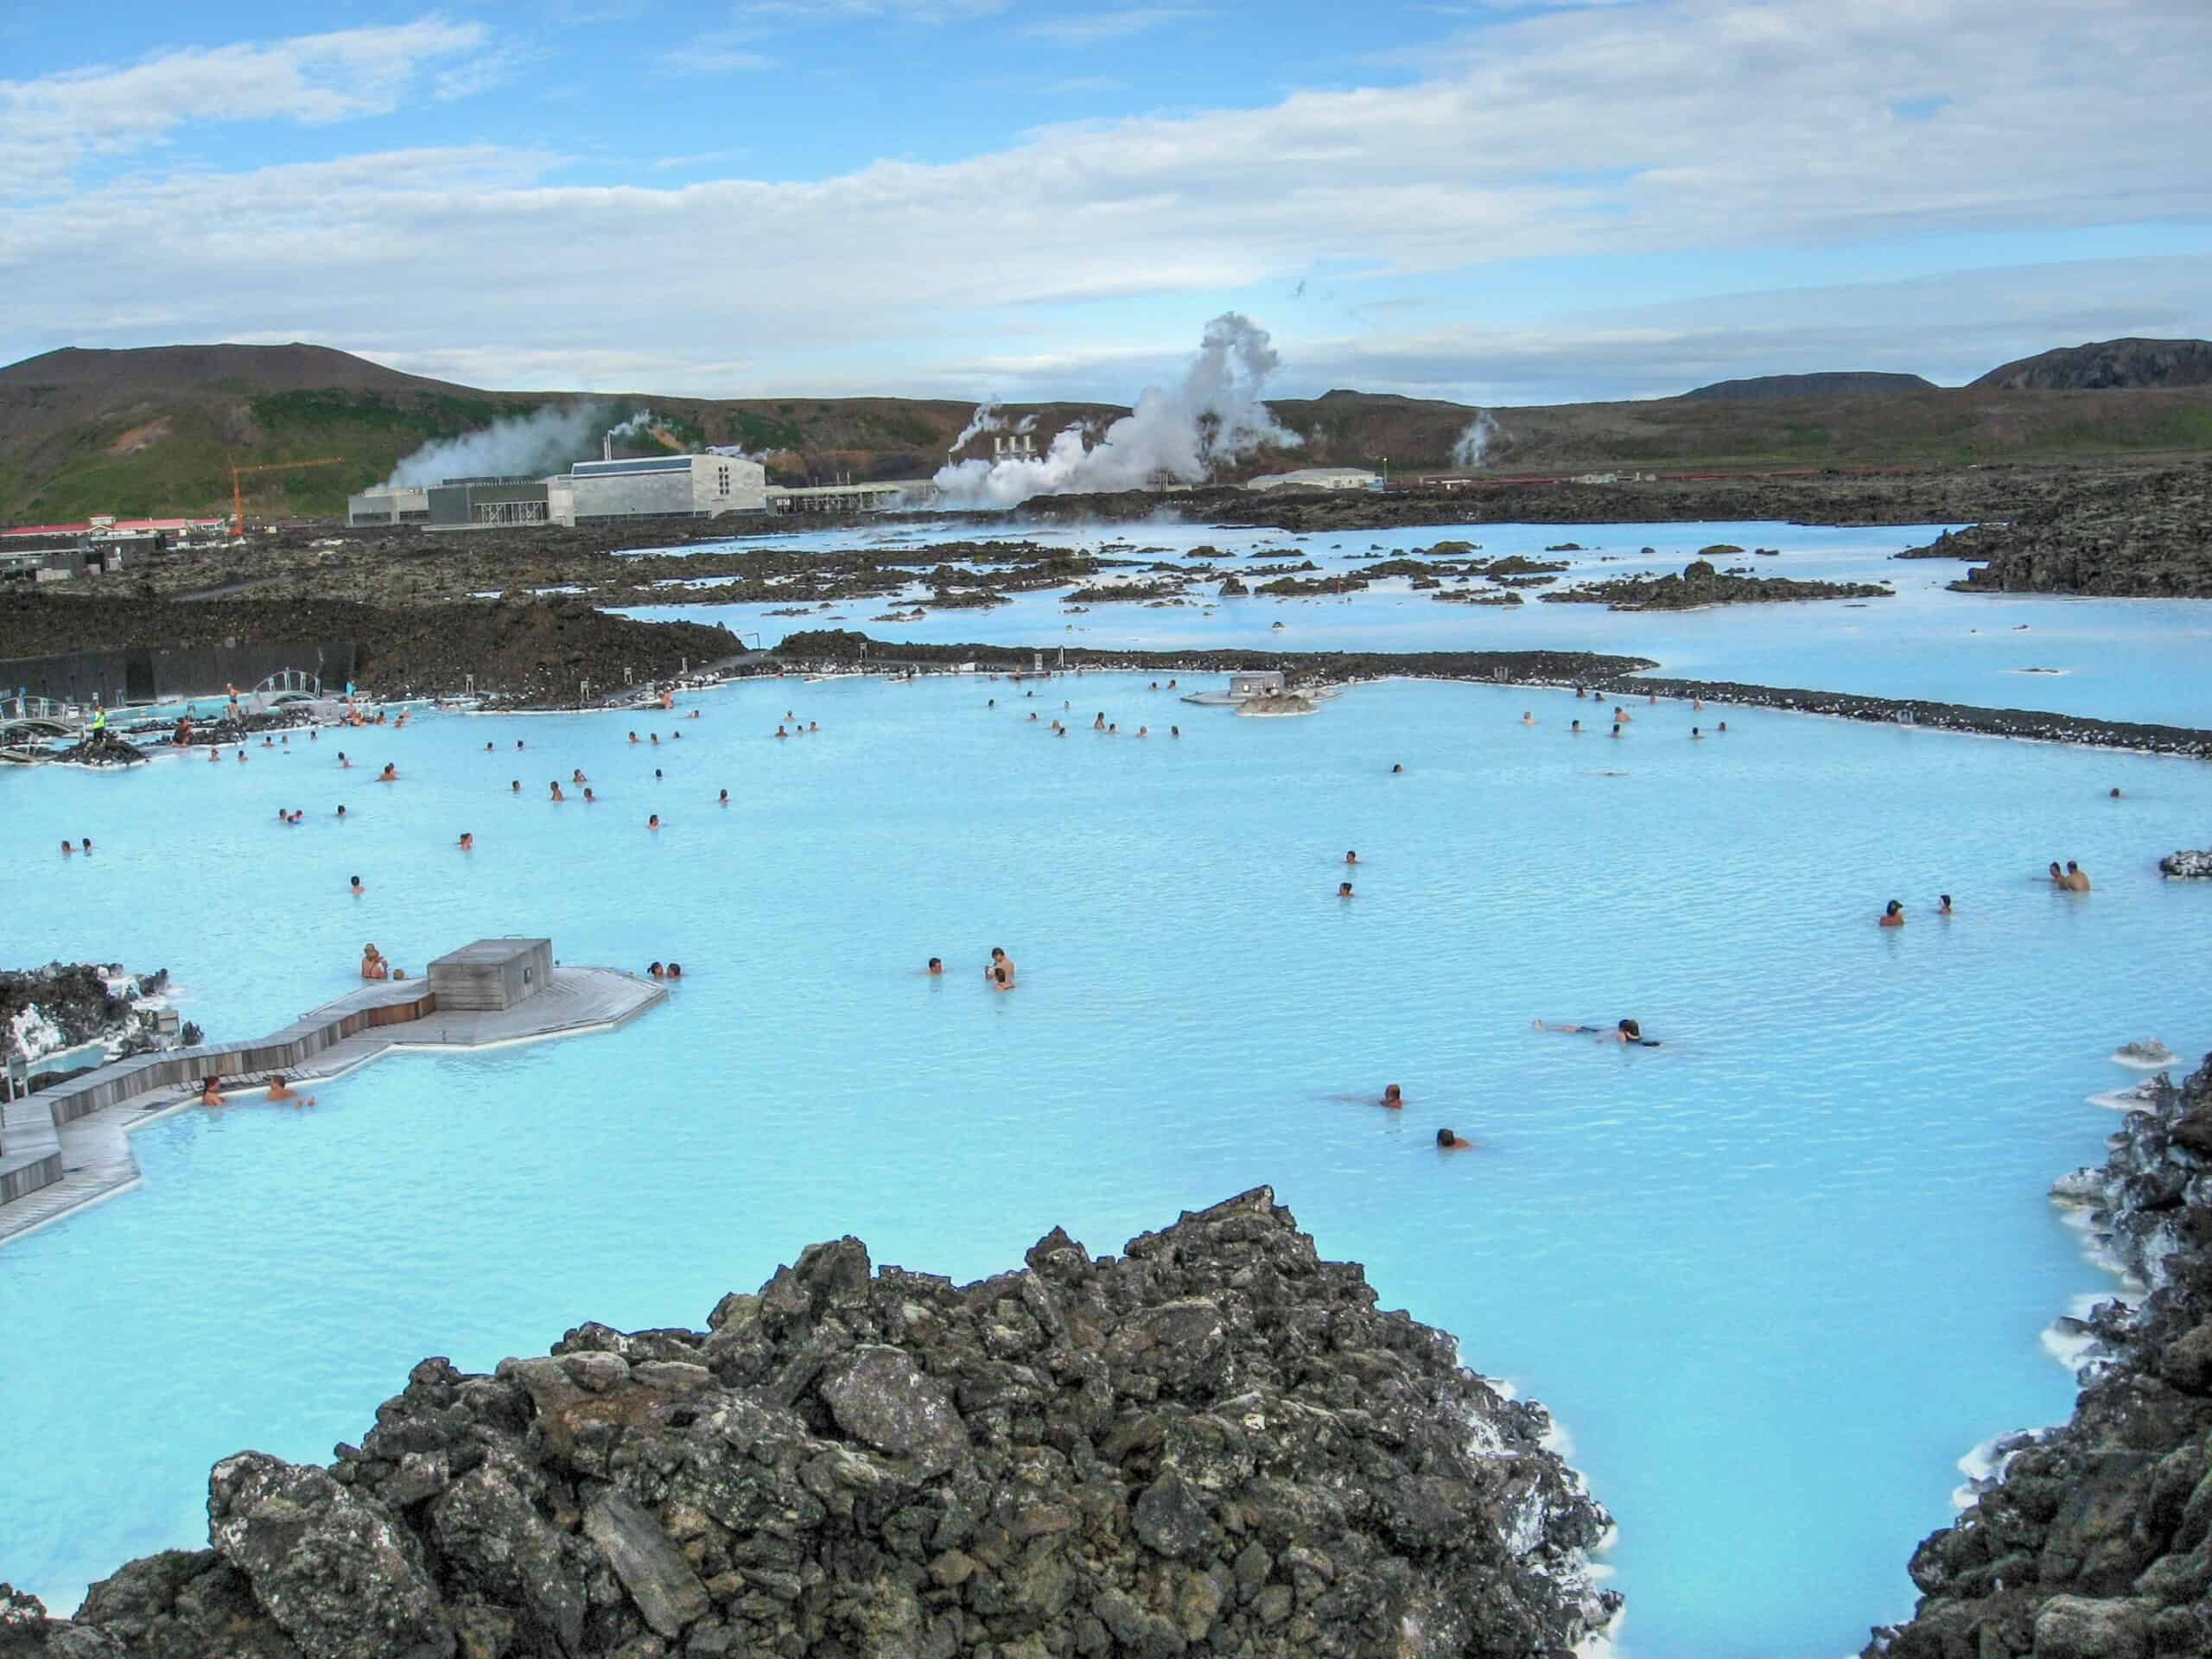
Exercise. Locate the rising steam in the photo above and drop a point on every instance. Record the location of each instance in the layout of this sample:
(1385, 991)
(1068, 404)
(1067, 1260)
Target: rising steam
(1474, 443)
(544, 440)
(1214, 416)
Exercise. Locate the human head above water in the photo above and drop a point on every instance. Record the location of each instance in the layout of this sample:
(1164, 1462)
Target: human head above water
(1630, 1029)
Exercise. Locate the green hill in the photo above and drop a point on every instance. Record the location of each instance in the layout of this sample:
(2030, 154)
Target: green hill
(157, 430)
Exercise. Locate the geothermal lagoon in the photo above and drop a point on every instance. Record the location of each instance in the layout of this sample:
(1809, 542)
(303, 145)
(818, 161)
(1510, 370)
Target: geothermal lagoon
(1774, 1278)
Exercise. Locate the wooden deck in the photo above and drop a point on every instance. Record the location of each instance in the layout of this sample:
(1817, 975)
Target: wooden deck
(69, 1146)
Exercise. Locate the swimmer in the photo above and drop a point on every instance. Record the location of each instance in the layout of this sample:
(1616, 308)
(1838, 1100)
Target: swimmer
(633, 737)
(1574, 728)
(2057, 875)
(1033, 718)
(653, 822)
(389, 775)
(1395, 768)
(1697, 706)
(1893, 914)
(298, 816)
(1144, 731)
(213, 756)
(556, 795)
(590, 799)
(1391, 1097)
(518, 742)
(1002, 979)
(1099, 724)
(1626, 1032)
(655, 736)
(342, 761)
(341, 808)
(813, 725)
(1062, 732)
(281, 1092)
(780, 732)
(657, 777)
(2114, 795)
(515, 787)
(1723, 726)
(676, 737)
(374, 965)
(1621, 715)
(1528, 717)
(1171, 685)
(241, 757)
(468, 841)
(1943, 904)
(87, 846)
(67, 851)
(1616, 728)
(1447, 1142)
(1579, 692)
(676, 970)
(1174, 731)
(2077, 879)
(577, 777)
(1696, 736)
(1343, 889)
(1000, 963)
(210, 1091)
(487, 748)
(1350, 857)
(936, 968)
(658, 971)
(724, 799)
(358, 889)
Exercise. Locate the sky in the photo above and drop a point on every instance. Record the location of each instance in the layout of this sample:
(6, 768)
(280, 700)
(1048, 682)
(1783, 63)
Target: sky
(1496, 202)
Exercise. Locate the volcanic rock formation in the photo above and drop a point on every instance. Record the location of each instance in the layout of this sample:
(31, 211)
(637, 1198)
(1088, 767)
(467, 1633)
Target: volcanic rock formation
(1214, 1443)
(2096, 1542)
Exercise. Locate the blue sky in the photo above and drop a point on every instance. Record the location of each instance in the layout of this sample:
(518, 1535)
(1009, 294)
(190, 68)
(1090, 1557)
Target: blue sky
(1494, 202)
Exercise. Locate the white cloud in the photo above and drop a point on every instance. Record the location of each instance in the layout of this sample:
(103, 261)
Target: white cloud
(1095, 27)
(50, 126)
(1703, 125)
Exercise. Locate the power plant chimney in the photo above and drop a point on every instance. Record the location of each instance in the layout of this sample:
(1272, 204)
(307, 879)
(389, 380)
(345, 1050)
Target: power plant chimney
(607, 447)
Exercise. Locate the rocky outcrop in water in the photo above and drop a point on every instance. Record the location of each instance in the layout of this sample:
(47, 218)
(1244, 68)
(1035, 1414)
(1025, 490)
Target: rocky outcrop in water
(1213, 1444)
(2148, 535)
(1699, 585)
(64, 1005)
(2188, 864)
(2096, 1542)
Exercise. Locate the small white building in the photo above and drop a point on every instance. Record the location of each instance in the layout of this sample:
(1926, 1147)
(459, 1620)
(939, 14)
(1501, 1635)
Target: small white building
(1318, 477)
(661, 486)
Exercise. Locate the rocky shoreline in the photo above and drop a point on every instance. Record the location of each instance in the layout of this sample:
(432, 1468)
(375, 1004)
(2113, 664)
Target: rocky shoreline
(1216, 1442)
(63, 1005)
(1615, 676)
(2095, 1540)
(2148, 536)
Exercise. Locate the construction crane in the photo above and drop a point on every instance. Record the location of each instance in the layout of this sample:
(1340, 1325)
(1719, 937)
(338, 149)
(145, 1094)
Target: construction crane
(238, 495)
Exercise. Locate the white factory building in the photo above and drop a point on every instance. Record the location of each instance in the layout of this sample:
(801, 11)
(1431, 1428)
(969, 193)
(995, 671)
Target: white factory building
(1318, 477)
(662, 486)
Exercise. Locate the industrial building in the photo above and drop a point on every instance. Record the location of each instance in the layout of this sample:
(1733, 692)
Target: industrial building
(388, 506)
(662, 486)
(1318, 477)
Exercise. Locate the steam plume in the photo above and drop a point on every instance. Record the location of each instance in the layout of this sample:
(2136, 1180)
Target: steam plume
(1474, 443)
(532, 445)
(1214, 416)
(985, 419)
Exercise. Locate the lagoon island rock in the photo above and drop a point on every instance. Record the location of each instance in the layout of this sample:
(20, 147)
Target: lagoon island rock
(1214, 1443)
(2095, 1540)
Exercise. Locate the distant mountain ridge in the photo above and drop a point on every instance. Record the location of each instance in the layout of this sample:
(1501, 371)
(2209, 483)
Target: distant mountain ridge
(1833, 382)
(156, 430)
(2108, 364)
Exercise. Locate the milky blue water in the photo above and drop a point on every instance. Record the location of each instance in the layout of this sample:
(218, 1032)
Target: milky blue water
(1774, 1277)
(2115, 658)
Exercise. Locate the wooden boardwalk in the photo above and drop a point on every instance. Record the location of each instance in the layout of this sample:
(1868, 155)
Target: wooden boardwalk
(86, 1122)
